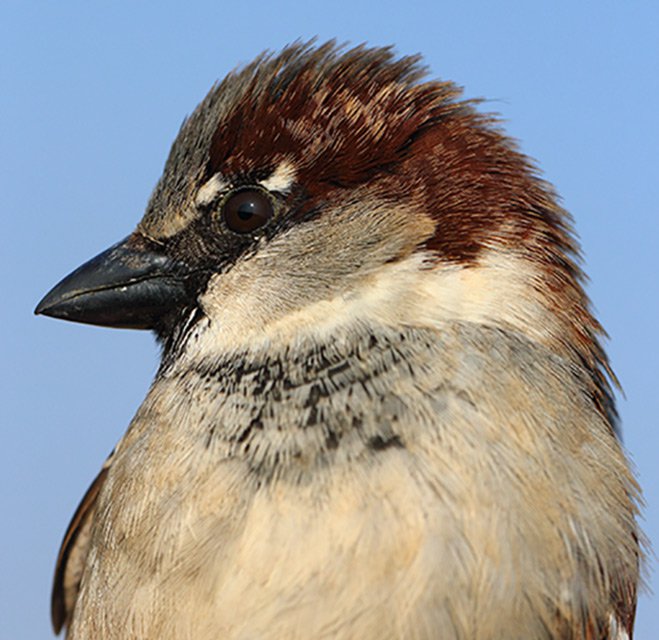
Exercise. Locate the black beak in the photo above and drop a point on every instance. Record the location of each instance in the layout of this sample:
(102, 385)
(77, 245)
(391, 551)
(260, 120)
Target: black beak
(132, 285)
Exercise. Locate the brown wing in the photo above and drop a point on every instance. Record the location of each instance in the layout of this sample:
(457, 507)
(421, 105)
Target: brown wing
(624, 611)
(73, 554)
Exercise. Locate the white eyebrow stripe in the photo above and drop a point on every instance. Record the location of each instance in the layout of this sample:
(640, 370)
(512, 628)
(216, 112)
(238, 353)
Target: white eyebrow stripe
(281, 179)
(208, 192)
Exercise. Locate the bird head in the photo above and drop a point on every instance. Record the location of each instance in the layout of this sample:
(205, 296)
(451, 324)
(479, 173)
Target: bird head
(320, 188)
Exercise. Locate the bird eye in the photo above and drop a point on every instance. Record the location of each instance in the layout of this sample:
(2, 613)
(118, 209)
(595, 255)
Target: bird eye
(247, 210)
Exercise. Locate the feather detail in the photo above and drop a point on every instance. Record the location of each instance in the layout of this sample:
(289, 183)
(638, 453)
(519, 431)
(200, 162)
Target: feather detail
(73, 553)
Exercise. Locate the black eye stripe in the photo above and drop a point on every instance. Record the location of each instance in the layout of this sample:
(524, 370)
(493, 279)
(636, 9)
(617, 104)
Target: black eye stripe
(247, 209)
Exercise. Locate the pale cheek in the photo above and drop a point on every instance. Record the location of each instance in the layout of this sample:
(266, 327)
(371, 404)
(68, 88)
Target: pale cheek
(245, 311)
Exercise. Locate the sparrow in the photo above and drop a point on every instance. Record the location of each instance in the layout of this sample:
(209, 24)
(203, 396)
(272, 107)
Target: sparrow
(383, 409)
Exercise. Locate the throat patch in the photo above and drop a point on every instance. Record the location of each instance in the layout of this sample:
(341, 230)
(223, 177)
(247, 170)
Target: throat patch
(290, 412)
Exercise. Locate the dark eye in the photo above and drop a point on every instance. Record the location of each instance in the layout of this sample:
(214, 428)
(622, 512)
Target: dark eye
(247, 210)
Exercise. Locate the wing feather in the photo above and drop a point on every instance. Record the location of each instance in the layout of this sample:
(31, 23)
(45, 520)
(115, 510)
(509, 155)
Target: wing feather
(73, 554)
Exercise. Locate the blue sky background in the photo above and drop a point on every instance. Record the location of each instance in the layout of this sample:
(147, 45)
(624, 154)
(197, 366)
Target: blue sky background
(91, 97)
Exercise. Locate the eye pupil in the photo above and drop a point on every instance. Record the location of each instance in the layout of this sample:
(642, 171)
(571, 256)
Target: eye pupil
(247, 210)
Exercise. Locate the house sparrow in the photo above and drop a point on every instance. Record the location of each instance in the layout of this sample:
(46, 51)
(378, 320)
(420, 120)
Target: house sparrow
(382, 410)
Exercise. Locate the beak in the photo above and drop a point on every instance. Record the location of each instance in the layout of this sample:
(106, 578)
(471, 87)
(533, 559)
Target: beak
(131, 285)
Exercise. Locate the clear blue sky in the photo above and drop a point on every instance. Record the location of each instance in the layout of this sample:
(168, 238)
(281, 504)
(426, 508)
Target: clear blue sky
(92, 95)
